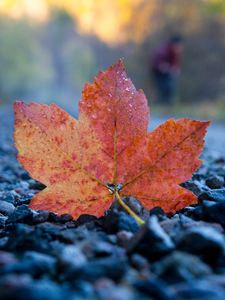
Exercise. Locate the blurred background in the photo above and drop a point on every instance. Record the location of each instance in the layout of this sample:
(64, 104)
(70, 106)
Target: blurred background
(50, 48)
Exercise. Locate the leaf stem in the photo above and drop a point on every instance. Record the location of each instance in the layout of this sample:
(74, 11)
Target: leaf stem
(127, 208)
(115, 154)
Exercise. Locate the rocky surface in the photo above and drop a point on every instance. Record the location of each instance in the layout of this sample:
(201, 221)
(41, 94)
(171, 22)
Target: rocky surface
(44, 256)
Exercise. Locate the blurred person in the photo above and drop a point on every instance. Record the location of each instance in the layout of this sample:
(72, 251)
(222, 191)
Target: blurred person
(165, 65)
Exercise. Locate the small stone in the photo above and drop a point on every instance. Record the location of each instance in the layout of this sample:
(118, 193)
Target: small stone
(215, 182)
(71, 256)
(60, 218)
(194, 186)
(196, 213)
(65, 218)
(2, 221)
(205, 242)
(24, 199)
(22, 214)
(98, 248)
(118, 220)
(155, 289)
(40, 216)
(199, 290)
(84, 289)
(6, 258)
(83, 219)
(9, 196)
(34, 290)
(24, 175)
(151, 240)
(123, 237)
(67, 235)
(176, 224)
(106, 289)
(6, 208)
(44, 261)
(159, 212)
(53, 217)
(215, 212)
(134, 204)
(23, 237)
(178, 266)
(217, 195)
(113, 267)
(139, 262)
(35, 185)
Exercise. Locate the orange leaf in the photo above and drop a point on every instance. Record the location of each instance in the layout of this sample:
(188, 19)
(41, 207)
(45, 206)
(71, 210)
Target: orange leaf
(84, 162)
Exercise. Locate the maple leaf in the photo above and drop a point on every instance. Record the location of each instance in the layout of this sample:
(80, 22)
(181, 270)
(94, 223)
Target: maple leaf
(107, 152)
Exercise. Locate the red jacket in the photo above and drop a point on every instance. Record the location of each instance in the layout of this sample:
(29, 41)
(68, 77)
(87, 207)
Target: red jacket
(166, 54)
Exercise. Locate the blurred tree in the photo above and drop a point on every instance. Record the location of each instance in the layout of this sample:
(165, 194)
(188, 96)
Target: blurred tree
(24, 65)
(63, 43)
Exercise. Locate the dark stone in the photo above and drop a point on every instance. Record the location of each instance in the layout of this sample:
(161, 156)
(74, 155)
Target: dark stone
(196, 213)
(6, 258)
(84, 289)
(175, 226)
(207, 204)
(205, 242)
(139, 262)
(10, 197)
(199, 290)
(159, 212)
(106, 289)
(40, 216)
(53, 217)
(65, 218)
(134, 204)
(217, 195)
(23, 237)
(215, 182)
(2, 221)
(35, 185)
(33, 263)
(22, 214)
(214, 212)
(195, 186)
(118, 220)
(113, 267)
(3, 242)
(50, 230)
(24, 175)
(40, 290)
(71, 256)
(16, 230)
(155, 289)
(6, 208)
(151, 240)
(43, 261)
(83, 219)
(60, 218)
(67, 235)
(97, 248)
(123, 237)
(178, 266)
(24, 199)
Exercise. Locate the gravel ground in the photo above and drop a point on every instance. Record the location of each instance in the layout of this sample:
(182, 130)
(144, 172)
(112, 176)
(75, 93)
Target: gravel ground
(45, 256)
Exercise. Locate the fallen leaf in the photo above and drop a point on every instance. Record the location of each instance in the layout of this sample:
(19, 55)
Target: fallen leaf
(108, 149)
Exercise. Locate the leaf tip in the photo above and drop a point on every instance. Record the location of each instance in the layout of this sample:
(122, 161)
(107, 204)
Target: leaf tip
(119, 65)
(18, 104)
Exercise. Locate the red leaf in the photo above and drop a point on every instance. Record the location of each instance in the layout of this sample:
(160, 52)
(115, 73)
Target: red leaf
(109, 144)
